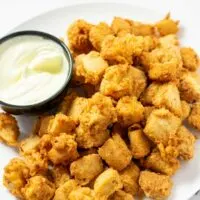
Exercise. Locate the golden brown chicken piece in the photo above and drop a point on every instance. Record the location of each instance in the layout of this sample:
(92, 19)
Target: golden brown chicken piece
(168, 40)
(89, 68)
(86, 168)
(139, 143)
(167, 26)
(15, 176)
(154, 185)
(161, 126)
(121, 195)
(107, 183)
(65, 189)
(194, 117)
(64, 149)
(82, 193)
(78, 36)
(185, 110)
(39, 188)
(156, 163)
(129, 177)
(190, 58)
(142, 29)
(9, 130)
(115, 153)
(94, 121)
(129, 111)
(98, 33)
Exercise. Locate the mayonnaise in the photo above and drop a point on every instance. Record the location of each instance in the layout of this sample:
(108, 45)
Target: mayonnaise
(32, 69)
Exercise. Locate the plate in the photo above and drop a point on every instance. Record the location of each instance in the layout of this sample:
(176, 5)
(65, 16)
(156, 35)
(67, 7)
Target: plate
(187, 179)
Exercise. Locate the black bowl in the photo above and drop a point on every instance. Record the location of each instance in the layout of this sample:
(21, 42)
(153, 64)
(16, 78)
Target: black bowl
(51, 102)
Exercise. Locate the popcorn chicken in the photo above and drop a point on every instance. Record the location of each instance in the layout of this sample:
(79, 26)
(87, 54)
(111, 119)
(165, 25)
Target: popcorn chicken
(167, 26)
(9, 130)
(129, 111)
(194, 117)
(82, 193)
(115, 153)
(94, 121)
(139, 143)
(129, 177)
(98, 33)
(185, 110)
(39, 188)
(62, 124)
(142, 29)
(65, 189)
(107, 183)
(154, 185)
(121, 195)
(86, 168)
(190, 58)
(161, 126)
(78, 36)
(168, 40)
(15, 176)
(89, 68)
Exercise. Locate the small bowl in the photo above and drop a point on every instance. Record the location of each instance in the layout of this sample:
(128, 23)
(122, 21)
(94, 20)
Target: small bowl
(50, 103)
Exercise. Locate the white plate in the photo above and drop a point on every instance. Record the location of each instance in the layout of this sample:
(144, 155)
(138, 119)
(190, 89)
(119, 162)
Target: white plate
(187, 179)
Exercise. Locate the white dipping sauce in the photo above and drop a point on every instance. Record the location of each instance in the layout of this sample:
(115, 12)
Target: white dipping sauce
(32, 69)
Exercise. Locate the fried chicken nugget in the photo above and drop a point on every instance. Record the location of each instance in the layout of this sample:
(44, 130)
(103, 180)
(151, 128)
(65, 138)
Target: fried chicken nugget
(86, 168)
(94, 121)
(107, 183)
(194, 117)
(168, 40)
(39, 188)
(129, 111)
(161, 126)
(190, 58)
(142, 29)
(98, 33)
(15, 176)
(121, 195)
(78, 36)
(89, 68)
(167, 26)
(82, 193)
(9, 130)
(154, 185)
(129, 177)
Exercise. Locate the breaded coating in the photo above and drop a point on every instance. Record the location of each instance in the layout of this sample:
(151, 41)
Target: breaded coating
(161, 126)
(39, 188)
(142, 29)
(154, 185)
(168, 40)
(62, 124)
(115, 153)
(86, 168)
(9, 130)
(82, 193)
(185, 110)
(129, 111)
(121, 195)
(64, 149)
(15, 176)
(129, 177)
(167, 26)
(190, 87)
(139, 143)
(186, 141)
(194, 117)
(107, 183)
(147, 112)
(190, 58)
(94, 121)
(65, 189)
(98, 33)
(78, 36)
(89, 68)
(156, 163)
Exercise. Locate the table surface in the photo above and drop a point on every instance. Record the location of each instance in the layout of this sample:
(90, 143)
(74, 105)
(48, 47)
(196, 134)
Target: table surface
(14, 12)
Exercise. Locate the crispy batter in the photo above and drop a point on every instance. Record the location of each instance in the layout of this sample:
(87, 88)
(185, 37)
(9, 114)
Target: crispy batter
(121, 195)
(107, 183)
(115, 153)
(86, 168)
(9, 130)
(139, 28)
(98, 33)
(185, 110)
(147, 112)
(194, 117)
(190, 58)
(154, 185)
(82, 193)
(129, 177)
(168, 40)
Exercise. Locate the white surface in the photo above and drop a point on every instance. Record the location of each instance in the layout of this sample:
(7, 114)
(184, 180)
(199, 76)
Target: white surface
(187, 180)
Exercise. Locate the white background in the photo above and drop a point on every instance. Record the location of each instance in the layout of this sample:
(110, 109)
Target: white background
(14, 12)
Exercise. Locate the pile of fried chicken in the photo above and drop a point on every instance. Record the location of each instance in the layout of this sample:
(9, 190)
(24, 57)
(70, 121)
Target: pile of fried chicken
(123, 135)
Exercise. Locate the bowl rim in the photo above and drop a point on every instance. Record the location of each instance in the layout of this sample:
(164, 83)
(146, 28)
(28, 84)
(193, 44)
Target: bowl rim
(66, 52)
